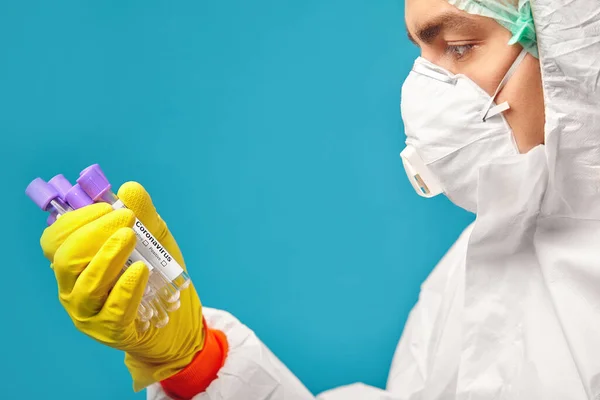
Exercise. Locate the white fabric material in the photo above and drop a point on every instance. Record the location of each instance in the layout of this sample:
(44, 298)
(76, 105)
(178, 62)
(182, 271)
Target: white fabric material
(513, 310)
(357, 391)
(251, 371)
(568, 231)
(435, 322)
(445, 122)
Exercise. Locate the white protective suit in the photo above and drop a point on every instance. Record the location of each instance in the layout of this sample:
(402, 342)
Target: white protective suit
(513, 310)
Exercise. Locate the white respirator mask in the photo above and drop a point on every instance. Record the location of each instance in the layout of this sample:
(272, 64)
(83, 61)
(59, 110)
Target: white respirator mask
(453, 127)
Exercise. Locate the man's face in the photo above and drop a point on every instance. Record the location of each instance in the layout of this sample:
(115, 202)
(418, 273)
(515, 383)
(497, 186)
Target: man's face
(477, 47)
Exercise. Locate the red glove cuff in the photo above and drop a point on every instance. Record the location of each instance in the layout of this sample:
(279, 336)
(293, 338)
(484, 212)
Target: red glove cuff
(199, 374)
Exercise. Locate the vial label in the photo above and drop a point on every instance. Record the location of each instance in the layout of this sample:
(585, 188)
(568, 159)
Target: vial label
(152, 250)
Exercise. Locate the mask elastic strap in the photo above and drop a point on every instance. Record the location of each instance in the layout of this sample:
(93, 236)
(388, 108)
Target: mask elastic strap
(489, 111)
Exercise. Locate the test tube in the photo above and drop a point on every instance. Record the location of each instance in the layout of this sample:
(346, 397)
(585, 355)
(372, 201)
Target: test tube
(94, 183)
(48, 199)
(168, 293)
(76, 197)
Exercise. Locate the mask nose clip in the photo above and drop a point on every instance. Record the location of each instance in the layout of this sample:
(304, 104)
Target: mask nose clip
(420, 176)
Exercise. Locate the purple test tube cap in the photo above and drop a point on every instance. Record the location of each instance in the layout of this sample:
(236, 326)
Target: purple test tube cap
(77, 197)
(41, 193)
(93, 166)
(93, 182)
(61, 184)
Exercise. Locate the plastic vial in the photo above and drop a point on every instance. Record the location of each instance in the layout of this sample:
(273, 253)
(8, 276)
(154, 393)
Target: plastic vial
(95, 184)
(47, 197)
(76, 197)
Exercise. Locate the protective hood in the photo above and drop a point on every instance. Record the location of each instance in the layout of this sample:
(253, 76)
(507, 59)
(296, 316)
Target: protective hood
(568, 35)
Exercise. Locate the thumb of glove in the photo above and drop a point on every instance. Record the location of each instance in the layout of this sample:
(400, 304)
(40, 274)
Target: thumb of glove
(137, 199)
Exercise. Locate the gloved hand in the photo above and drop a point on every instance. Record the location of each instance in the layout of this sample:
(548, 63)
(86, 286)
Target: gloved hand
(88, 248)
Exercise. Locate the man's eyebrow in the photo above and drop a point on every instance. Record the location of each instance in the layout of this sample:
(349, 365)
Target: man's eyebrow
(429, 32)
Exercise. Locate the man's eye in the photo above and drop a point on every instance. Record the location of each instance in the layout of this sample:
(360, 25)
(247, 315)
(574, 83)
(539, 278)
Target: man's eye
(459, 51)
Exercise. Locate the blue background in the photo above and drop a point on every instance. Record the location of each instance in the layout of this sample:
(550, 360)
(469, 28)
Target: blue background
(268, 133)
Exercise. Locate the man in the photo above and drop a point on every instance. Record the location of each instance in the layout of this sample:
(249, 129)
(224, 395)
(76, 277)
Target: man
(511, 312)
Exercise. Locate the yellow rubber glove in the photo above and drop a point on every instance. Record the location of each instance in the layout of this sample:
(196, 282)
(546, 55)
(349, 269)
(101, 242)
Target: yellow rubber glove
(87, 249)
